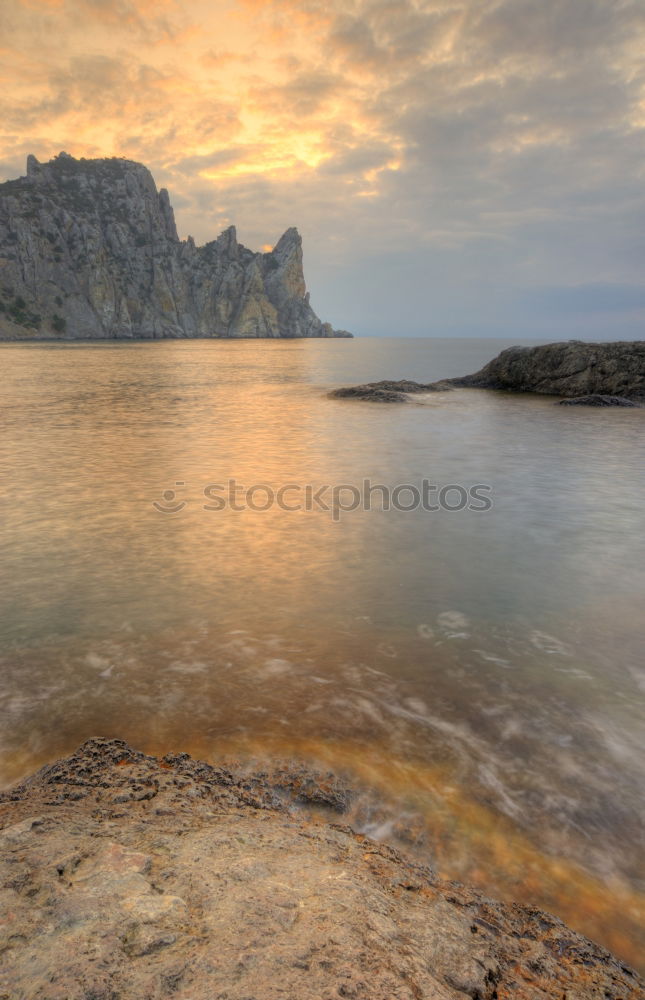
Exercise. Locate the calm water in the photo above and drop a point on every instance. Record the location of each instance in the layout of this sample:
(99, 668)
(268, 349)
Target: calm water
(482, 670)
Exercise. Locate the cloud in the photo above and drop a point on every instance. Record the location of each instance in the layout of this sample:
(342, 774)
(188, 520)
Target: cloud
(305, 93)
(192, 165)
(486, 144)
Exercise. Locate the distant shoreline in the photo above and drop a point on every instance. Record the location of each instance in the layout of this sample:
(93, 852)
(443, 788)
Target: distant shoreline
(150, 340)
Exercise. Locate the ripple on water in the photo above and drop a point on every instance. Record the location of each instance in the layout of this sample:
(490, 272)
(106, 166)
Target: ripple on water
(453, 625)
(548, 644)
(522, 744)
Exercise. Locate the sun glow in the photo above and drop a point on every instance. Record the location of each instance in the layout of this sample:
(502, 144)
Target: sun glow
(346, 115)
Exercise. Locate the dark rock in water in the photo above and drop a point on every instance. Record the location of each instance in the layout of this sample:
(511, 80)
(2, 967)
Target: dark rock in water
(597, 400)
(89, 250)
(370, 393)
(387, 391)
(572, 368)
(226, 889)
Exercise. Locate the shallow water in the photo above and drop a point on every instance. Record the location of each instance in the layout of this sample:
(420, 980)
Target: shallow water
(483, 670)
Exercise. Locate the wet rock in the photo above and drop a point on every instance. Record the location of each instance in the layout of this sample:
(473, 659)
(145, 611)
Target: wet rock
(387, 391)
(597, 400)
(242, 892)
(312, 787)
(571, 369)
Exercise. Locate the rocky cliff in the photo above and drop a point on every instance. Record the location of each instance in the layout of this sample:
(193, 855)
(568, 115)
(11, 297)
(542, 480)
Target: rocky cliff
(124, 876)
(89, 249)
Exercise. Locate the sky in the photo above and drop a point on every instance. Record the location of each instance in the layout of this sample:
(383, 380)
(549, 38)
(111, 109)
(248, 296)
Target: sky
(455, 167)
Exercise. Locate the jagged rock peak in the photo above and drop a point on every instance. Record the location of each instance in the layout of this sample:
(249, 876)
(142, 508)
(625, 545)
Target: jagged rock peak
(290, 239)
(89, 250)
(33, 166)
(228, 241)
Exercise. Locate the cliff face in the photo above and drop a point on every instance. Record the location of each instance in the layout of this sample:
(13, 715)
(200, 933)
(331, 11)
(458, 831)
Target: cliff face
(89, 249)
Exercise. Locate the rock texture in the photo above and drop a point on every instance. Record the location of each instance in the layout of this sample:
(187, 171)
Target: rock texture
(568, 369)
(89, 249)
(387, 391)
(124, 876)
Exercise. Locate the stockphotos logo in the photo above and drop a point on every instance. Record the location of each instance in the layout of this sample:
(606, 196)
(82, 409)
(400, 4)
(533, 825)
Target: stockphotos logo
(334, 499)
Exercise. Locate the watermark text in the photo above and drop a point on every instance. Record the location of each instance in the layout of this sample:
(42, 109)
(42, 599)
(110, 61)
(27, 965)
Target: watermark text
(335, 499)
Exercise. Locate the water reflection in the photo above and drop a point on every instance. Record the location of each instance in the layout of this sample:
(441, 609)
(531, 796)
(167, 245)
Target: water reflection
(482, 672)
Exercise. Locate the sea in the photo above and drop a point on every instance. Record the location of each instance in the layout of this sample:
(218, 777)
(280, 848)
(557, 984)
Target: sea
(441, 601)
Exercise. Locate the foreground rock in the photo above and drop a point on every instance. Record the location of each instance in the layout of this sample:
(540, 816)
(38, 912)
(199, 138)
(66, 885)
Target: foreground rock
(89, 250)
(566, 369)
(387, 391)
(125, 877)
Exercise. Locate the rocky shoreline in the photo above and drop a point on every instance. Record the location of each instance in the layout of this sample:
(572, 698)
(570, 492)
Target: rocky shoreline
(583, 374)
(128, 876)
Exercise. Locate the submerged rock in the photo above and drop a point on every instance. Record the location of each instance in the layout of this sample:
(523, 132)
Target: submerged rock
(89, 250)
(225, 888)
(387, 391)
(572, 368)
(597, 400)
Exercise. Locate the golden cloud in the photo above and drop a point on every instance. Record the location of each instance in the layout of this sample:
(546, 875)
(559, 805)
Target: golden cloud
(437, 111)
